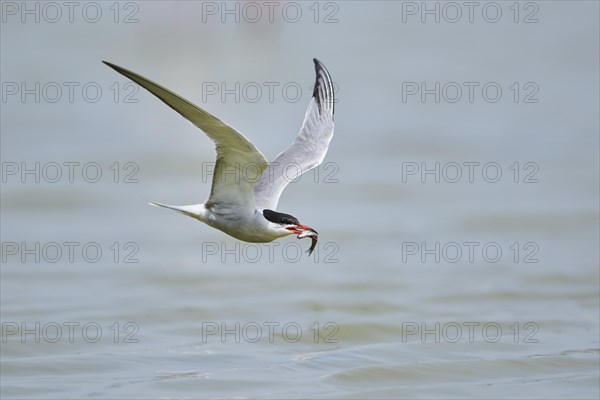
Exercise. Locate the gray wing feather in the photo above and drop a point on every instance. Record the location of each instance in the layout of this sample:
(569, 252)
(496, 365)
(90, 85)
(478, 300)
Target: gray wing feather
(308, 149)
(231, 190)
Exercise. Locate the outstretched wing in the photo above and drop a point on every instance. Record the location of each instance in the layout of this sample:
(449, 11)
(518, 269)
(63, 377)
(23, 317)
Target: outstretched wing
(307, 150)
(232, 191)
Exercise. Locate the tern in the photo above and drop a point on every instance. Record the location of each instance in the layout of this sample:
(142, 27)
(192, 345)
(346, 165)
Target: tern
(240, 206)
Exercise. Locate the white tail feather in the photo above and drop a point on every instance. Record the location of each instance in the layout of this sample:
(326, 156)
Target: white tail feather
(194, 211)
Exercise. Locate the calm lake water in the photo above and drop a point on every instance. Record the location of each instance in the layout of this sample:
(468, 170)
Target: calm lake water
(457, 207)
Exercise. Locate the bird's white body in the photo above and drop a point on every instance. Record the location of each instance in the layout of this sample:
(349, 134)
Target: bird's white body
(253, 228)
(244, 208)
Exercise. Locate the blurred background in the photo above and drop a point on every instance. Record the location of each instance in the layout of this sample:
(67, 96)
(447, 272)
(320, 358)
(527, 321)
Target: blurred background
(457, 206)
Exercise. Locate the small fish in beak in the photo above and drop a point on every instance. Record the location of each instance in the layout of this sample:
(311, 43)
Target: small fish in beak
(305, 231)
(313, 235)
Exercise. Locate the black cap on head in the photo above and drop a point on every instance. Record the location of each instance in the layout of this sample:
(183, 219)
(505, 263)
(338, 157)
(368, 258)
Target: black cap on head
(280, 218)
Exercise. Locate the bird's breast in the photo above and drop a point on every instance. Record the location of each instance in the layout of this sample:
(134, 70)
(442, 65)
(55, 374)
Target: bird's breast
(247, 228)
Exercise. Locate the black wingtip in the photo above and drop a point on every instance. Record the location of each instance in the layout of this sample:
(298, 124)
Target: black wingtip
(325, 98)
(113, 66)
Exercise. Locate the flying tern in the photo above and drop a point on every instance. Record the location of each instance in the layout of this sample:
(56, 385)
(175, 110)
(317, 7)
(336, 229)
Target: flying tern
(238, 205)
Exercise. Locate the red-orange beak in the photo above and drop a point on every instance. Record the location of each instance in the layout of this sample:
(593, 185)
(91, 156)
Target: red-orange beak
(299, 229)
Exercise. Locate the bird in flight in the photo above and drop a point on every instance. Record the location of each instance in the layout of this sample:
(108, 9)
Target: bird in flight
(243, 206)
